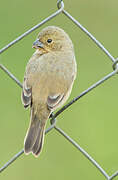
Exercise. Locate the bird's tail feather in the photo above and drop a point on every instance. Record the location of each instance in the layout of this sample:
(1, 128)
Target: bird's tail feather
(35, 135)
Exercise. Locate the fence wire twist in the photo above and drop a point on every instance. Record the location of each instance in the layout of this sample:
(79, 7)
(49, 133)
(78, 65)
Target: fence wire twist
(53, 125)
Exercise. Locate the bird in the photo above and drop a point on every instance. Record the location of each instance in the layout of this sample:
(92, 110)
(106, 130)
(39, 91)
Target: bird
(48, 81)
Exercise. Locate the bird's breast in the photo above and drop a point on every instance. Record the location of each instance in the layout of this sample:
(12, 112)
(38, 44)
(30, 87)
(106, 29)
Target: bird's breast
(52, 71)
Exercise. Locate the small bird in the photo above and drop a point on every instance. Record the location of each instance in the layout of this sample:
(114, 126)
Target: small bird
(48, 81)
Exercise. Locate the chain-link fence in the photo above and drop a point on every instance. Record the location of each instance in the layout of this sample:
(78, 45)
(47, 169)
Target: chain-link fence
(53, 125)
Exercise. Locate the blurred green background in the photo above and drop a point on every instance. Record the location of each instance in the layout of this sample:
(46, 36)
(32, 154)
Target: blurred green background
(92, 121)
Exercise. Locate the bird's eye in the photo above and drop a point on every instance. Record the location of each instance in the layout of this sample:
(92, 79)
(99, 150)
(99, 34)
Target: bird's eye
(49, 40)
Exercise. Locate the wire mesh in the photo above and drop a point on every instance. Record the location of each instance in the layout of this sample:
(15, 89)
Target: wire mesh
(60, 5)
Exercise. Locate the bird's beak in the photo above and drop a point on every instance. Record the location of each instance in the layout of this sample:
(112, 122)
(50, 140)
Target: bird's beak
(37, 44)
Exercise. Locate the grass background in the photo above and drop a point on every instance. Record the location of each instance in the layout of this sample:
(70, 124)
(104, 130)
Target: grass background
(92, 121)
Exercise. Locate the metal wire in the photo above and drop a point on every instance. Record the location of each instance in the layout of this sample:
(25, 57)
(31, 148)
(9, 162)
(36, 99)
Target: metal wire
(22, 151)
(10, 75)
(89, 35)
(33, 28)
(60, 6)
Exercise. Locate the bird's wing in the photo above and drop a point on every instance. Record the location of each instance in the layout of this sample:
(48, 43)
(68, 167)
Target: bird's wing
(26, 94)
(54, 101)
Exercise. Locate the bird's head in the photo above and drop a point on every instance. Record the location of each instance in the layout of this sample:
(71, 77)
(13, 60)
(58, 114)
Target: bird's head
(52, 38)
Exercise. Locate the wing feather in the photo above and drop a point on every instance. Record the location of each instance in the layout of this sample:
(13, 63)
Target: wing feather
(53, 101)
(26, 94)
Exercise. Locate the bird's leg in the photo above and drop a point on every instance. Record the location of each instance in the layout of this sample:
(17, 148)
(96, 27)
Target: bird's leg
(52, 120)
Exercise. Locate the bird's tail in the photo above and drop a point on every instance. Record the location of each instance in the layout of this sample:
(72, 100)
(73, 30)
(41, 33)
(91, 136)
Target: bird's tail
(35, 134)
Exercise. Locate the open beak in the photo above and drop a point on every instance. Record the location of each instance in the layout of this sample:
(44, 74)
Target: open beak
(37, 44)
